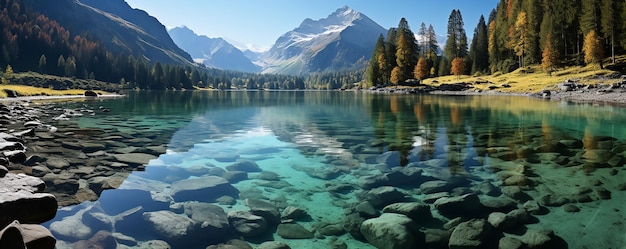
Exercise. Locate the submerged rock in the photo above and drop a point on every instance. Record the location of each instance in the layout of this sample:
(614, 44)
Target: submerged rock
(293, 231)
(392, 231)
(464, 205)
(475, 233)
(418, 212)
(207, 188)
(247, 224)
(273, 245)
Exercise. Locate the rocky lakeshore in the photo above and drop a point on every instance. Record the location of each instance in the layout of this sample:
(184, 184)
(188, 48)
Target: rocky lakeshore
(611, 94)
(47, 162)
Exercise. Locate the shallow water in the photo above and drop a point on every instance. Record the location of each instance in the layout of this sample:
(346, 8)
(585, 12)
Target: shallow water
(321, 144)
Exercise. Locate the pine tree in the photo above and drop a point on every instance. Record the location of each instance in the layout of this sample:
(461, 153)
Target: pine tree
(432, 44)
(377, 67)
(456, 45)
(406, 50)
(42, 63)
(592, 47)
(550, 56)
(8, 72)
(479, 50)
(421, 69)
(492, 44)
(609, 21)
(423, 40)
(458, 67)
(590, 17)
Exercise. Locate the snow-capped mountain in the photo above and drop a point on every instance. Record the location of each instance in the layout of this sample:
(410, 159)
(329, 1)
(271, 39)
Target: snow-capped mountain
(212, 52)
(342, 41)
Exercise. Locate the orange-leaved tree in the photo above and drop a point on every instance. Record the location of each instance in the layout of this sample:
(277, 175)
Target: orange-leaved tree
(396, 75)
(458, 67)
(550, 56)
(592, 47)
(421, 69)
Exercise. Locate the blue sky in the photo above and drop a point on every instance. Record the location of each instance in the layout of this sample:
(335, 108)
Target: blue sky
(259, 23)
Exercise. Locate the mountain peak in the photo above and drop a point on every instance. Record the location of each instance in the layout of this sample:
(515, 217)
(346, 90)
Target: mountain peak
(345, 11)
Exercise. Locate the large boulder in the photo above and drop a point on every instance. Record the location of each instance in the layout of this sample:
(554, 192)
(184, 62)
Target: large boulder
(293, 231)
(418, 212)
(382, 196)
(207, 188)
(176, 229)
(244, 165)
(247, 224)
(464, 205)
(212, 218)
(21, 199)
(264, 209)
(392, 231)
(475, 233)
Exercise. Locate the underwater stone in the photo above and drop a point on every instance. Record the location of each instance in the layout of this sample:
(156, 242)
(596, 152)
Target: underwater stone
(392, 231)
(293, 231)
(475, 233)
(542, 239)
(247, 224)
(366, 210)
(510, 243)
(332, 230)
(372, 181)
(430, 187)
(383, 196)
(418, 212)
(207, 188)
(235, 176)
(264, 209)
(389, 158)
(465, 205)
(171, 227)
(292, 212)
(102, 239)
(436, 238)
(134, 158)
(273, 245)
(244, 165)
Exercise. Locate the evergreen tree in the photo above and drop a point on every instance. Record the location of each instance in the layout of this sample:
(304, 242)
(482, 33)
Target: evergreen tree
(432, 44)
(406, 50)
(610, 11)
(374, 70)
(390, 50)
(423, 40)
(456, 45)
(492, 44)
(479, 50)
(42, 63)
(590, 17)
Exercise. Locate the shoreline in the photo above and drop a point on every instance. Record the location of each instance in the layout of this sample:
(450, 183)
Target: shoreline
(57, 97)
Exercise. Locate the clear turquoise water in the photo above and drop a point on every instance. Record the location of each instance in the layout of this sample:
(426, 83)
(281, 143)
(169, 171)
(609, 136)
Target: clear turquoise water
(296, 133)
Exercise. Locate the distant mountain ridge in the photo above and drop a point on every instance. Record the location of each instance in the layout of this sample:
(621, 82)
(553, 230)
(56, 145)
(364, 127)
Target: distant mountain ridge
(342, 41)
(212, 52)
(119, 27)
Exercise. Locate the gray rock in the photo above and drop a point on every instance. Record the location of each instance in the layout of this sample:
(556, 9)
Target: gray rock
(292, 212)
(102, 239)
(430, 187)
(418, 212)
(11, 236)
(372, 181)
(247, 224)
(406, 176)
(389, 158)
(171, 227)
(134, 159)
(269, 176)
(244, 165)
(475, 233)
(273, 245)
(72, 228)
(332, 230)
(541, 239)
(21, 200)
(212, 219)
(207, 188)
(57, 163)
(383, 196)
(264, 209)
(510, 243)
(366, 210)
(464, 205)
(392, 231)
(37, 236)
(293, 231)
(125, 240)
(436, 238)
(235, 176)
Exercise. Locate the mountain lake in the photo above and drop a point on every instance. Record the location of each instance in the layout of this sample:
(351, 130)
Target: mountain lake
(335, 169)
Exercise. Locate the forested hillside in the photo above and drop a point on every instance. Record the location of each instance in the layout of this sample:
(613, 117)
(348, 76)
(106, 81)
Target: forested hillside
(518, 33)
(31, 41)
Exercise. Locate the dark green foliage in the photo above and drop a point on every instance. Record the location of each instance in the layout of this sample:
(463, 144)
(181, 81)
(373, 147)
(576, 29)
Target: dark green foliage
(479, 54)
